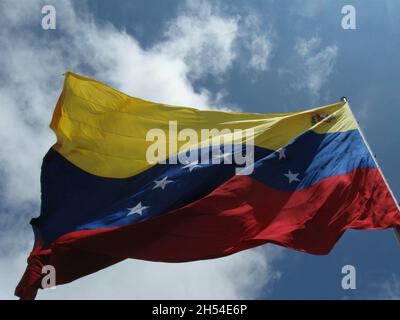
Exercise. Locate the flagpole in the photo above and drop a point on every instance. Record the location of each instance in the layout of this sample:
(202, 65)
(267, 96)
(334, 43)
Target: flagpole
(396, 229)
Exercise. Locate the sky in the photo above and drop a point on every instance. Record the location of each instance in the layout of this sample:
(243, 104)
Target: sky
(254, 56)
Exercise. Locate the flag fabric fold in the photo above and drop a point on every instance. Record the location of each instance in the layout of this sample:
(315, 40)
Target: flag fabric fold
(311, 179)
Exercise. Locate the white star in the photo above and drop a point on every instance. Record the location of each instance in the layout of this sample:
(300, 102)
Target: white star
(191, 165)
(137, 209)
(161, 183)
(282, 153)
(292, 176)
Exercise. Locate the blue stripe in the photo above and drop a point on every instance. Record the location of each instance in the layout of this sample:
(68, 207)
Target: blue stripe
(314, 157)
(75, 200)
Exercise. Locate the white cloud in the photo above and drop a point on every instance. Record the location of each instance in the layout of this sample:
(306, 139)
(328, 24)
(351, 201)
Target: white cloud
(201, 41)
(256, 42)
(234, 277)
(311, 65)
(309, 9)
(209, 41)
(391, 289)
(388, 289)
(202, 38)
(318, 63)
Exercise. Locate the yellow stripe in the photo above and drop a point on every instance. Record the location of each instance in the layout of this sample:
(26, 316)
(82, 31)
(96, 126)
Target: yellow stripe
(103, 131)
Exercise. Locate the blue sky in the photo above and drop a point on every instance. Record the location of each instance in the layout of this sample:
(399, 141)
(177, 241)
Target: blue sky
(255, 56)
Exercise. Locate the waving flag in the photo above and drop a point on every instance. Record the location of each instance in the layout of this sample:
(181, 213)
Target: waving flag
(129, 178)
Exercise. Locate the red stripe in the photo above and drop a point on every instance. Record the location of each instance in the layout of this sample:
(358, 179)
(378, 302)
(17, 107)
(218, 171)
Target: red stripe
(240, 214)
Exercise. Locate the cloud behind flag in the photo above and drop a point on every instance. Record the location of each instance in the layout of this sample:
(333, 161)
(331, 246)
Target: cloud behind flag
(313, 177)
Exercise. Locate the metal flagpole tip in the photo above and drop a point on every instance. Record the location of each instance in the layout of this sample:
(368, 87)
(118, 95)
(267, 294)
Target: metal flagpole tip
(344, 99)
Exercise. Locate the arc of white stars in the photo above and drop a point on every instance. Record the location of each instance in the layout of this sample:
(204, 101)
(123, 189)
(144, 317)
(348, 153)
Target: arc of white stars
(292, 176)
(161, 183)
(138, 209)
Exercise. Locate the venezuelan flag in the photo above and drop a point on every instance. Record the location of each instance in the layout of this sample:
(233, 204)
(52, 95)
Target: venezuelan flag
(312, 178)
